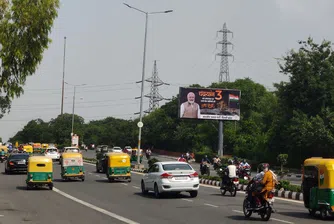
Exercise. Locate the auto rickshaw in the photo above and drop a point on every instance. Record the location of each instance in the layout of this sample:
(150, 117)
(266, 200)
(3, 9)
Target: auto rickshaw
(3, 153)
(72, 166)
(44, 147)
(318, 186)
(37, 147)
(118, 166)
(134, 155)
(40, 172)
(28, 149)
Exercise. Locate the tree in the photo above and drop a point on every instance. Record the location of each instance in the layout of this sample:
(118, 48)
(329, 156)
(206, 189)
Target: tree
(283, 160)
(0, 139)
(302, 125)
(24, 29)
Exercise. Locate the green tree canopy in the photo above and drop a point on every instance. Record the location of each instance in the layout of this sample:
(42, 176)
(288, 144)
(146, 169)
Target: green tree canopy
(24, 29)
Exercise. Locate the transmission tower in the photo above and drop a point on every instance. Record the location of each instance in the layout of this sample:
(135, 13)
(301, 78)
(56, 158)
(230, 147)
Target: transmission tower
(154, 95)
(224, 69)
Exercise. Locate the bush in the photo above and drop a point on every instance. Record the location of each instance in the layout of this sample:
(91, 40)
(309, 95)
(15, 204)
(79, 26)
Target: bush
(200, 155)
(152, 161)
(285, 184)
(210, 178)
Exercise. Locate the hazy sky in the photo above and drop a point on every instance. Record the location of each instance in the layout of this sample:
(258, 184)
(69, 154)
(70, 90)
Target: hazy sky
(105, 46)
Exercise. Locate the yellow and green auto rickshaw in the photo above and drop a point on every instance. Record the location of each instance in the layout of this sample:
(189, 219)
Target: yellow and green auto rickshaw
(28, 149)
(72, 166)
(40, 172)
(5, 149)
(45, 146)
(37, 147)
(134, 155)
(318, 186)
(118, 166)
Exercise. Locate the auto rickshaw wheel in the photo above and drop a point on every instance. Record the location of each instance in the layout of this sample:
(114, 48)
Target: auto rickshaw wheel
(129, 179)
(323, 213)
(83, 179)
(50, 186)
(111, 180)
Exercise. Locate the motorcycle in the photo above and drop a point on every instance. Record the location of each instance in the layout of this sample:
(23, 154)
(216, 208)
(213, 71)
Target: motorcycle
(244, 173)
(3, 158)
(205, 169)
(232, 186)
(263, 207)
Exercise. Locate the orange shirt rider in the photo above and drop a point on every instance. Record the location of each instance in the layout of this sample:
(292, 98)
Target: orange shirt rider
(268, 180)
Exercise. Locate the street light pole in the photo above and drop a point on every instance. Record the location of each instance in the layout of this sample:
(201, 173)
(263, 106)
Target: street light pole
(73, 110)
(72, 133)
(140, 124)
(62, 89)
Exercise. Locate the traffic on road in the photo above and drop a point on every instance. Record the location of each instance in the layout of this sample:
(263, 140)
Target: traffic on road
(96, 199)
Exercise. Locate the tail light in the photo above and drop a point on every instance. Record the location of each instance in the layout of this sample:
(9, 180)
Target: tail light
(235, 179)
(270, 195)
(193, 175)
(11, 163)
(166, 176)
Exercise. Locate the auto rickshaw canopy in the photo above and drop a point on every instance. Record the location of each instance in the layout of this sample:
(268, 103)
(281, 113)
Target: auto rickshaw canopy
(28, 148)
(40, 164)
(323, 168)
(117, 159)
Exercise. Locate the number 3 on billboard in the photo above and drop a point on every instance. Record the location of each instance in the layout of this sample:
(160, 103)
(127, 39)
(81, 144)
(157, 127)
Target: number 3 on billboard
(219, 95)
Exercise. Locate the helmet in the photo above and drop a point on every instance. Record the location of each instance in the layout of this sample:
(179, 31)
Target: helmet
(262, 166)
(244, 160)
(230, 162)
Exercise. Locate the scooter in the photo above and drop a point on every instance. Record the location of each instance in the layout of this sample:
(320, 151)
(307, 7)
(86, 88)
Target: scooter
(263, 207)
(205, 169)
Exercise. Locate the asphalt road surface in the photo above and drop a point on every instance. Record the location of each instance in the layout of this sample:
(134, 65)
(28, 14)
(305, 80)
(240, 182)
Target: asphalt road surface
(196, 166)
(97, 201)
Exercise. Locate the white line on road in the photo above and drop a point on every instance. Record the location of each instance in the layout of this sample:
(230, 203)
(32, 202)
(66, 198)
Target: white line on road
(90, 173)
(210, 186)
(113, 215)
(124, 184)
(184, 199)
(135, 187)
(215, 206)
(278, 220)
(1, 215)
(97, 175)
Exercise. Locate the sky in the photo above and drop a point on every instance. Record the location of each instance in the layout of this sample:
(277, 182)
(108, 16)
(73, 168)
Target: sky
(105, 42)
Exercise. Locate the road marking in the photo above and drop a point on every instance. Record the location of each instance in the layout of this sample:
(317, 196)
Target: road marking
(110, 214)
(124, 184)
(1, 215)
(135, 187)
(90, 173)
(278, 220)
(184, 199)
(215, 206)
(97, 175)
(210, 186)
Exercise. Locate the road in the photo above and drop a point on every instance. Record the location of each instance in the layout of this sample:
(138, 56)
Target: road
(98, 201)
(196, 166)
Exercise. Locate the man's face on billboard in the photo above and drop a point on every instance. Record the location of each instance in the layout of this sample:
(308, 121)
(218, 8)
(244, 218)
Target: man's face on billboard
(191, 97)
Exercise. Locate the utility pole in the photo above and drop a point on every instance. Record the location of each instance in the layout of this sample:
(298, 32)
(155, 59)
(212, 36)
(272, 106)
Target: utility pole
(62, 89)
(140, 123)
(154, 95)
(224, 76)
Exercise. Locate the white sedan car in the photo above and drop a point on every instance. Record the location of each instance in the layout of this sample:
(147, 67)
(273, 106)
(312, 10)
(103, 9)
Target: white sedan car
(52, 153)
(173, 177)
(117, 149)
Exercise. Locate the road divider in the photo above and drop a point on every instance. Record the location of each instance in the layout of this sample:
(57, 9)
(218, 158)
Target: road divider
(241, 187)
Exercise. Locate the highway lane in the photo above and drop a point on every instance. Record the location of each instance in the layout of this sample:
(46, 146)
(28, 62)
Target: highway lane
(125, 199)
(209, 202)
(17, 205)
(196, 166)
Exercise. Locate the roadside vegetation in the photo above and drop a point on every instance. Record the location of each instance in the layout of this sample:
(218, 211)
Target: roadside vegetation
(295, 119)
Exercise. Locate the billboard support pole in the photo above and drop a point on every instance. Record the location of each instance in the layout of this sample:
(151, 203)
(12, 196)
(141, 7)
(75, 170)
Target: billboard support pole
(221, 139)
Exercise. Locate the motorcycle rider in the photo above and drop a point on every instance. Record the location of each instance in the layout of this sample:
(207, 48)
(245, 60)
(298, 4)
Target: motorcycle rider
(244, 163)
(2, 154)
(205, 159)
(182, 159)
(216, 162)
(230, 172)
(262, 183)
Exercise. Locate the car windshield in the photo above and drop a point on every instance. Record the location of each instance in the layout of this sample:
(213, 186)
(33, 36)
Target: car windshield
(19, 156)
(176, 166)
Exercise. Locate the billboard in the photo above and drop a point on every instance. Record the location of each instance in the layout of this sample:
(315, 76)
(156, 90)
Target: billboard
(209, 104)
